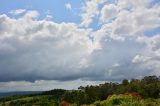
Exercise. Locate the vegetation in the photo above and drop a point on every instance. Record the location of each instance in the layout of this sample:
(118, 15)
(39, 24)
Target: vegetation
(127, 100)
(144, 92)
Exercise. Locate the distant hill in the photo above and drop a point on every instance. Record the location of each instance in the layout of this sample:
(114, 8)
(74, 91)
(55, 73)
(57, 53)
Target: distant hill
(5, 94)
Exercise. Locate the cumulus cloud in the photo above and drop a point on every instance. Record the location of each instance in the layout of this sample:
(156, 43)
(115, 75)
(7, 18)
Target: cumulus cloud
(90, 10)
(34, 50)
(128, 18)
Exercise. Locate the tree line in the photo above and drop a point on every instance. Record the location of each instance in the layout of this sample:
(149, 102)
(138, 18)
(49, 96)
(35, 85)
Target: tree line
(148, 87)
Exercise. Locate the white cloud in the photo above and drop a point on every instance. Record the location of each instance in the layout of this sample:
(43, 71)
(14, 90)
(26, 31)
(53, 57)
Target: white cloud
(130, 21)
(49, 17)
(42, 47)
(140, 58)
(132, 4)
(68, 6)
(32, 49)
(116, 65)
(108, 12)
(17, 11)
(90, 10)
(31, 14)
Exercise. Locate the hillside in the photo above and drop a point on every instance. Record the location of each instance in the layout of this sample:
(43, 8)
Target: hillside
(144, 92)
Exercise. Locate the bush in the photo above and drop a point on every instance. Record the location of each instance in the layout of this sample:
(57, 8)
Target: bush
(126, 100)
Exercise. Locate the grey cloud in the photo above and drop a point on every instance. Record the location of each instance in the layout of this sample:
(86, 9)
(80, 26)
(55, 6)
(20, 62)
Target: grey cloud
(102, 61)
(33, 50)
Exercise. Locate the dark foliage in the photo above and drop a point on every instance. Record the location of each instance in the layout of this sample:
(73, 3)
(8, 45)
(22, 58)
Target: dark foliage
(148, 87)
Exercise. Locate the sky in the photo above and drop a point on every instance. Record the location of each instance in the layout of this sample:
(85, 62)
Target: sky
(48, 44)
